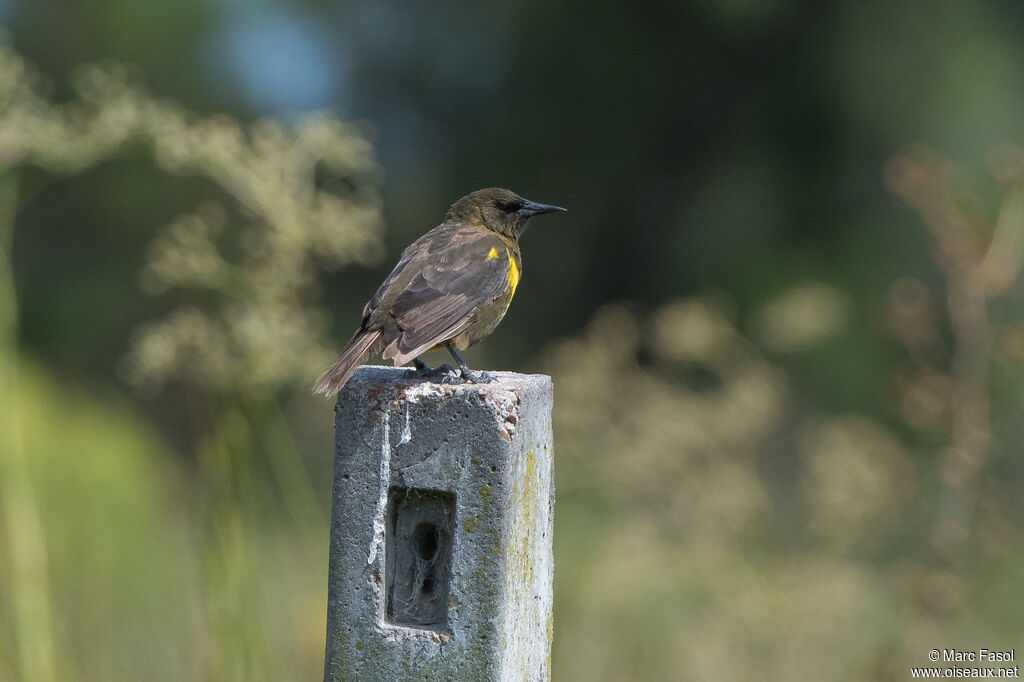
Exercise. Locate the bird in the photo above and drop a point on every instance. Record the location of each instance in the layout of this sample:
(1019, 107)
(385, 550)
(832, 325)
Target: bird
(450, 289)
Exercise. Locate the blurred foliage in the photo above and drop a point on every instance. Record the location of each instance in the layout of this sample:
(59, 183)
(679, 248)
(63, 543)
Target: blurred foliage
(711, 525)
(189, 581)
(954, 351)
(792, 455)
(124, 581)
(262, 333)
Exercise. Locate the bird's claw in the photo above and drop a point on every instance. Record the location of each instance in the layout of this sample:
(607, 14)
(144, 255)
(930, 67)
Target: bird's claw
(444, 374)
(448, 375)
(476, 377)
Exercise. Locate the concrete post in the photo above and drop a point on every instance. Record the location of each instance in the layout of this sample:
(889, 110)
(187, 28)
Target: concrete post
(440, 559)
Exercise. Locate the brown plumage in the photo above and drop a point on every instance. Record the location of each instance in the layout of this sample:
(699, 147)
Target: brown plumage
(450, 288)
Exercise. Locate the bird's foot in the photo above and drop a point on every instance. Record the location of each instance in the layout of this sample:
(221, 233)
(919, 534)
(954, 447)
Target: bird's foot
(444, 374)
(467, 374)
(475, 377)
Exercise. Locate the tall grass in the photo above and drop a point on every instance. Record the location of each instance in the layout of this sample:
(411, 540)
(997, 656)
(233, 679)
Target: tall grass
(119, 560)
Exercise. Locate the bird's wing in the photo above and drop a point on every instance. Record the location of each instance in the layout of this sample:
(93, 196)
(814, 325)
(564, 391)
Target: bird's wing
(456, 275)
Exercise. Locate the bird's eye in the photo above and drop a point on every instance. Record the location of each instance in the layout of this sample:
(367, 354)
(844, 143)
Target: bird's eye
(509, 206)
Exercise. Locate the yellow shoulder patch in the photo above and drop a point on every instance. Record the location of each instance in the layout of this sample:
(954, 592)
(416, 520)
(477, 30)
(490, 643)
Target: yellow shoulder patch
(513, 271)
(493, 254)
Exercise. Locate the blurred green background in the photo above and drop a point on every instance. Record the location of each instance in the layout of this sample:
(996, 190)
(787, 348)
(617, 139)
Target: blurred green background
(783, 317)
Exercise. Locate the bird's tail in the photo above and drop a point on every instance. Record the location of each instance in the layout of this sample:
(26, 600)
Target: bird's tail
(331, 381)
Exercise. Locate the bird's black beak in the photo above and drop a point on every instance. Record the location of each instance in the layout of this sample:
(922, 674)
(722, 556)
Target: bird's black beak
(532, 208)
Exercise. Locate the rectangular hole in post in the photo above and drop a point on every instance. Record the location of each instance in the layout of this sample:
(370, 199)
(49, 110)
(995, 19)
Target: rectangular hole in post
(418, 557)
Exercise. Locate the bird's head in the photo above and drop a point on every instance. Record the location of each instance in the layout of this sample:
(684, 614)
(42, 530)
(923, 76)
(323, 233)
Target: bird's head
(497, 209)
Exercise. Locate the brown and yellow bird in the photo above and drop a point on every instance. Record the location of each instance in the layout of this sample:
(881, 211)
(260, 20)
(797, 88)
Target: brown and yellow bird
(449, 290)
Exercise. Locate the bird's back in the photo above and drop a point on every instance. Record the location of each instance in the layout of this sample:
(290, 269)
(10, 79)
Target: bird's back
(453, 283)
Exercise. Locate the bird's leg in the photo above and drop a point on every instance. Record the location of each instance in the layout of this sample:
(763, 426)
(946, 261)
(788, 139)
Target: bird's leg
(442, 373)
(467, 374)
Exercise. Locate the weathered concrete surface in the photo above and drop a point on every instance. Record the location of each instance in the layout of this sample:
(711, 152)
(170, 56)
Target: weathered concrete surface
(440, 558)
